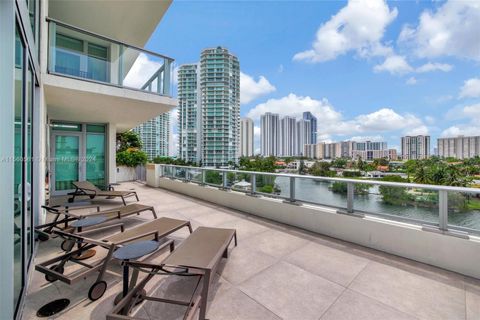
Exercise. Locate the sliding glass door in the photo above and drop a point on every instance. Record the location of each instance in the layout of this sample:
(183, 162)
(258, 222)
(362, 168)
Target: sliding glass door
(78, 151)
(67, 157)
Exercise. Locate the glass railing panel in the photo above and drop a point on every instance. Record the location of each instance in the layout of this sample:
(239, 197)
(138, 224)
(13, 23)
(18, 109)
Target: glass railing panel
(464, 210)
(214, 178)
(195, 175)
(240, 181)
(332, 194)
(180, 173)
(145, 71)
(271, 186)
(168, 171)
(419, 205)
(81, 54)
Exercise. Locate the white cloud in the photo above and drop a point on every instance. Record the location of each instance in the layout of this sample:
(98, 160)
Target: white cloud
(416, 131)
(395, 65)
(332, 122)
(470, 112)
(251, 89)
(256, 131)
(411, 81)
(359, 27)
(280, 68)
(141, 71)
(470, 88)
(386, 119)
(398, 65)
(429, 67)
(429, 120)
(459, 130)
(293, 105)
(452, 30)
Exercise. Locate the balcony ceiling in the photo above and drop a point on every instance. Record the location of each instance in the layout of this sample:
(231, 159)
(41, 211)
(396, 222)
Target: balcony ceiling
(82, 101)
(128, 21)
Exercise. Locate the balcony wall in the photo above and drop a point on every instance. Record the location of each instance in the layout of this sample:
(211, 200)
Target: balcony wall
(453, 253)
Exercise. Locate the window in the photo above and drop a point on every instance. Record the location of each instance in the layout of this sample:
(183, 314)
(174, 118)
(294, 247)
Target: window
(80, 58)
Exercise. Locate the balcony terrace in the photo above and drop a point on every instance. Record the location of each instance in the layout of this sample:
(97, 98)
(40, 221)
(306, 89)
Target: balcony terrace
(92, 77)
(278, 272)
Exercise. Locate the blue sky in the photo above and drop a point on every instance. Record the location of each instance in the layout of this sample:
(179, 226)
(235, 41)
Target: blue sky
(366, 68)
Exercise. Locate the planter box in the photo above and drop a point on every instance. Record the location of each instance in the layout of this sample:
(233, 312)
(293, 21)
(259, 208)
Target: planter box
(126, 174)
(153, 174)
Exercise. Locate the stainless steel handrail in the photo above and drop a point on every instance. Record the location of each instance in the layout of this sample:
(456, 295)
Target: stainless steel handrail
(346, 180)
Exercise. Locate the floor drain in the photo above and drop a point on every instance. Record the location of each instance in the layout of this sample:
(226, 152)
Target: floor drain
(52, 308)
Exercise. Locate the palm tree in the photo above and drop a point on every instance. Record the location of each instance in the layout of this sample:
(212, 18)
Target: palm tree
(421, 175)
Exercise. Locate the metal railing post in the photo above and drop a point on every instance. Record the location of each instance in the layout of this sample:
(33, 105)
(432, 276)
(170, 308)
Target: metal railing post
(203, 176)
(350, 193)
(292, 189)
(187, 175)
(161, 171)
(253, 187)
(225, 182)
(443, 210)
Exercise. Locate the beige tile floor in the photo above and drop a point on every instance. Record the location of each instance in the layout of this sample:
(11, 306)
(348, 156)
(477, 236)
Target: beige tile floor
(277, 272)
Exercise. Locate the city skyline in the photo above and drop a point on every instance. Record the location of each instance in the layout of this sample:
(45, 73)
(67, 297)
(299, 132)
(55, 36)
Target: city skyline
(375, 86)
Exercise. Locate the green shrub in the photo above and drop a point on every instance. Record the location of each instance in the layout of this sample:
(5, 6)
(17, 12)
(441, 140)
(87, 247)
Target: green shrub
(352, 174)
(268, 188)
(341, 187)
(131, 158)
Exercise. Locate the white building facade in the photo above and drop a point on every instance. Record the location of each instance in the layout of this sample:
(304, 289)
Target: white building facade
(269, 134)
(189, 113)
(415, 147)
(459, 147)
(246, 137)
(155, 135)
(369, 150)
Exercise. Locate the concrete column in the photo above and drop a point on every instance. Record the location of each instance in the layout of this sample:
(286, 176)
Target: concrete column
(112, 144)
(7, 130)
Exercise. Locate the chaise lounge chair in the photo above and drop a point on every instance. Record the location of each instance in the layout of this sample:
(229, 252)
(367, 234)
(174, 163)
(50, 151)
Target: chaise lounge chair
(53, 269)
(198, 256)
(86, 188)
(69, 215)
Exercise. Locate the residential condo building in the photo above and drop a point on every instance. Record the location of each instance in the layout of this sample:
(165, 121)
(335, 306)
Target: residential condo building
(392, 154)
(246, 137)
(189, 113)
(304, 135)
(460, 147)
(220, 103)
(269, 134)
(70, 83)
(288, 137)
(209, 109)
(155, 136)
(313, 121)
(415, 147)
(314, 151)
(369, 150)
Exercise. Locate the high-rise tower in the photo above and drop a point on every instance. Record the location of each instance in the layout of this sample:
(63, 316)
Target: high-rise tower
(189, 113)
(209, 109)
(155, 136)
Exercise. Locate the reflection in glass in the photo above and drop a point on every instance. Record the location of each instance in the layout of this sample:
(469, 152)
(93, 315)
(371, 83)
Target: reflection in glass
(18, 177)
(66, 161)
(95, 160)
